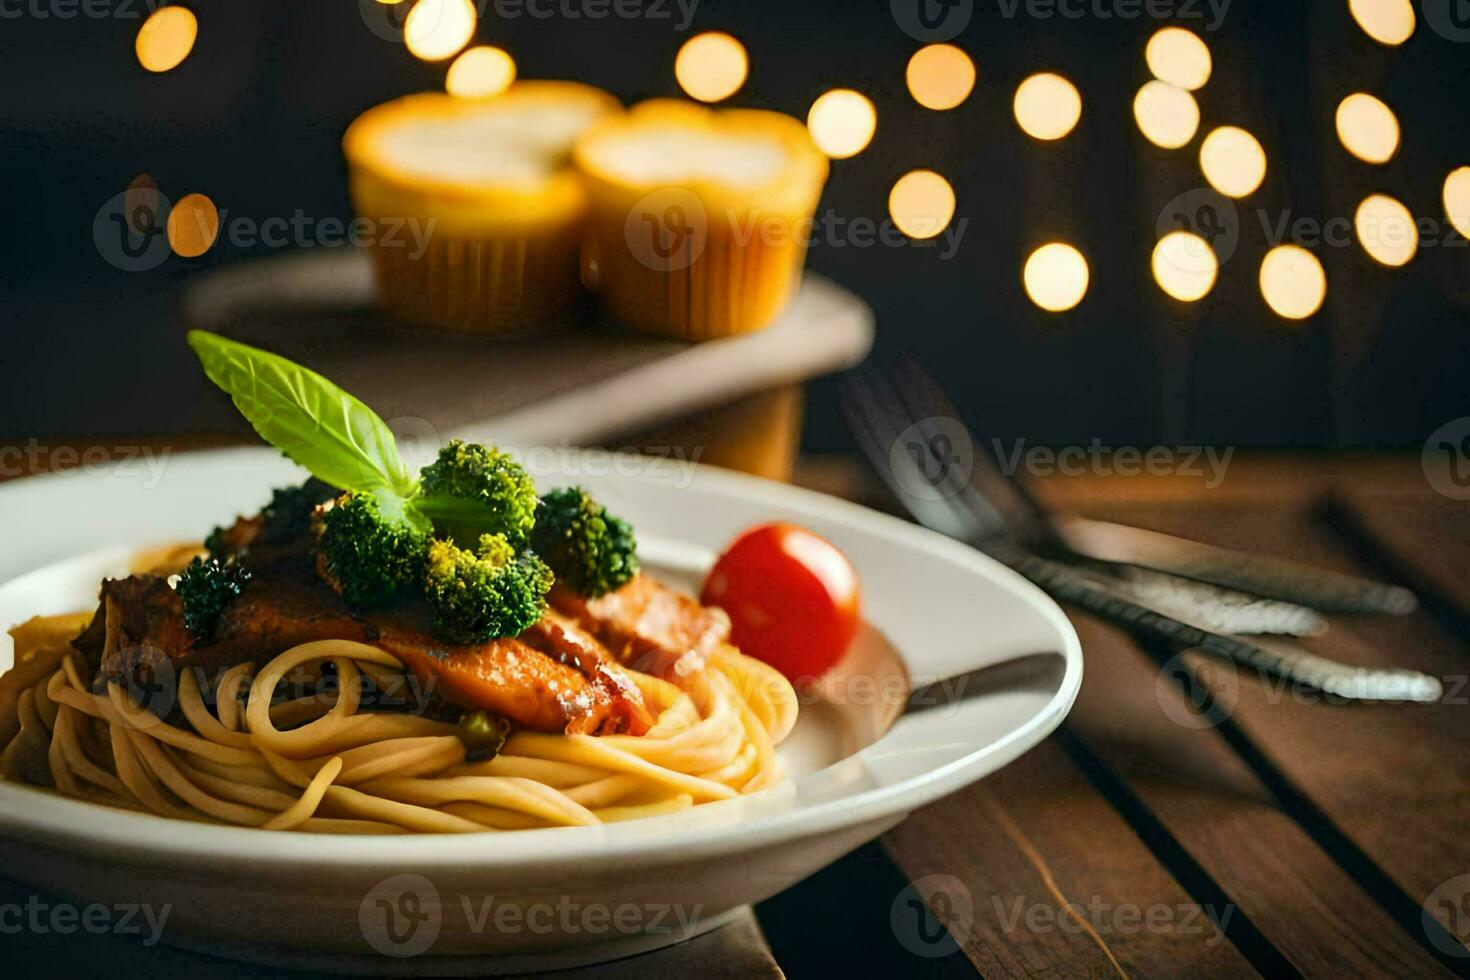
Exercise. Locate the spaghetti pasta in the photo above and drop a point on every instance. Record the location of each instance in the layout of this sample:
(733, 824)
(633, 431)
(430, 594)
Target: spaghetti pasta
(321, 764)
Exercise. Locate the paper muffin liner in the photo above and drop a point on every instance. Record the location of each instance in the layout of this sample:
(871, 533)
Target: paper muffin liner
(693, 271)
(699, 259)
(489, 284)
(484, 257)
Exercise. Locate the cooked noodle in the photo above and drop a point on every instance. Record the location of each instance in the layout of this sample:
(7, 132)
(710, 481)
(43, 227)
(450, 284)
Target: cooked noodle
(318, 764)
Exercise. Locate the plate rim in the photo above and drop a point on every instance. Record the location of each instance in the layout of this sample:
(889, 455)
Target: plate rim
(53, 821)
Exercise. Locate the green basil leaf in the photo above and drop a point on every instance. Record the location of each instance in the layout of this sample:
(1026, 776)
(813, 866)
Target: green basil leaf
(314, 422)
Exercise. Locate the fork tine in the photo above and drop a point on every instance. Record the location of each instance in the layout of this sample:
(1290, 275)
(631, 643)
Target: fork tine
(1001, 492)
(955, 482)
(877, 437)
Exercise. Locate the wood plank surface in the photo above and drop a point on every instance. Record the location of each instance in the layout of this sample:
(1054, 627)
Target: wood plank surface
(1378, 785)
(1058, 883)
(1424, 540)
(1135, 716)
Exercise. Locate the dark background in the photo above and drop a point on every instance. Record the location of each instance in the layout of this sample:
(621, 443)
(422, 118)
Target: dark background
(254, 116)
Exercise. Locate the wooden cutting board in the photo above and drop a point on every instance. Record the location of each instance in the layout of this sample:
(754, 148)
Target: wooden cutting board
(580, 385)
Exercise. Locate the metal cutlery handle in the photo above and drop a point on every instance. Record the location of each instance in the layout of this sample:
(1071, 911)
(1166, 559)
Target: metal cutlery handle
(1271, 578)
(1210, 607)
(1281, 660)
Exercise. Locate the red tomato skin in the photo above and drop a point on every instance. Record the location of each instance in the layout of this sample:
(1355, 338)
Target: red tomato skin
(793, 598)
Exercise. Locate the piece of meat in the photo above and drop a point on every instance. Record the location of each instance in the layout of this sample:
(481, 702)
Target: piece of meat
(648, 626)
(269, 616)
(560, 638)
(286, 605)
(514, 679)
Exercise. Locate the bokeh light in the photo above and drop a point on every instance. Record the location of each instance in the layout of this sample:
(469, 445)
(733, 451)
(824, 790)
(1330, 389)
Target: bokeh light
(711, 66)
(1233, 161)
(1179, 57)
(1292, 281)
(1167, 116)
(1185, 266)
(1047, 106)
(1457, 200)
(480, 72)
(842, 122)
(193, 225)
(1056, 277)
(1367, 128)
(166, 38)
(1386, 230)
(921, 203)
(438, 29)
(1385, 21)
(940, 76)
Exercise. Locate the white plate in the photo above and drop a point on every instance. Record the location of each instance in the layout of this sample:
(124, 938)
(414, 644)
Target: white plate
(354, 902)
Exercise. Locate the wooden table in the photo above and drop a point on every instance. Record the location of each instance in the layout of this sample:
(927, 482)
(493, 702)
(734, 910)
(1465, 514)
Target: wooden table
(1189, 819)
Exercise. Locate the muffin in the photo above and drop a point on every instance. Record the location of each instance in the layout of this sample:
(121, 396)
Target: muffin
(477, 218)
(699, 218)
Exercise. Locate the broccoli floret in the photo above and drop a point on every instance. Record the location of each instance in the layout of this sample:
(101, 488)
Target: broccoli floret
(218, 543)
(206, 586)
(591, 551)
(472, 490)
(369, 549)
(486, 593)
(289, 512)
(287, 516)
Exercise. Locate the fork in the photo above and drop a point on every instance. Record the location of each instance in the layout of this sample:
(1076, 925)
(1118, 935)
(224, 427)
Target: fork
(952, 505)
(1153, 562)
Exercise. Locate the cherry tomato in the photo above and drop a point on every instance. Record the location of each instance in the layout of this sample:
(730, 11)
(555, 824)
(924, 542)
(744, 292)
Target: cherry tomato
(792, 597)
